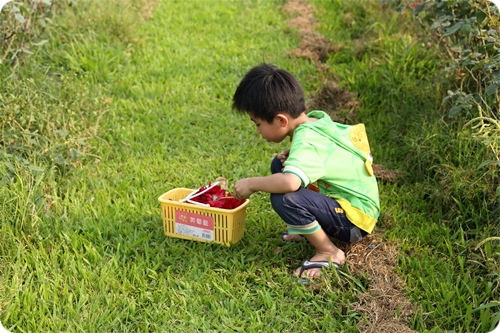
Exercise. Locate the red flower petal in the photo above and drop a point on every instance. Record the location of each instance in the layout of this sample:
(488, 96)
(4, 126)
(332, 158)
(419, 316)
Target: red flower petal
(217, 197)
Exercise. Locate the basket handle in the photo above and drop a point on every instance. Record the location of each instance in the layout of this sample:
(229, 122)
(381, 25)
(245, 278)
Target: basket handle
(191, 195)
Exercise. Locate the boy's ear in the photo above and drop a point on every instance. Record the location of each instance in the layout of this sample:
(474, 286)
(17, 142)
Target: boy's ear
(283, 119)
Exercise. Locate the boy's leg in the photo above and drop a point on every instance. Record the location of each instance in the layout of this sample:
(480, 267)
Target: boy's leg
(277, 167)
(325, 250)
(305, 211)
(292, 238)
(318, 218)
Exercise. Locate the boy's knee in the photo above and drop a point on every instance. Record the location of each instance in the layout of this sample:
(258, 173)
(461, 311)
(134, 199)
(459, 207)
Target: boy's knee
(285, 200)
(276, 201)
(276, 166)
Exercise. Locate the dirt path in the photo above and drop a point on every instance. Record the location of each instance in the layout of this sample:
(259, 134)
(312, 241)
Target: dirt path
(384, 305)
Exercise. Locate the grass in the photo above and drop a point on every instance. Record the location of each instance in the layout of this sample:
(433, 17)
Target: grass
(116, 110)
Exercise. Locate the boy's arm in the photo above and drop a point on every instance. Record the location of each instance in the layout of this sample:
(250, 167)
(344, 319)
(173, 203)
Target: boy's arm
(275, 183)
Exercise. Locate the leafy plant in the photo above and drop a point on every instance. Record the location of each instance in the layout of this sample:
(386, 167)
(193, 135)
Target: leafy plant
(470, 31)
(22, 24)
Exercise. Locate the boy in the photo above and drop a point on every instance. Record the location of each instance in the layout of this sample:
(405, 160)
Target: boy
(344, 201)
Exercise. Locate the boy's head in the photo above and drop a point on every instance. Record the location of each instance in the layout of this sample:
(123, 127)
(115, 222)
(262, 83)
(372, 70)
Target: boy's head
(267, 90)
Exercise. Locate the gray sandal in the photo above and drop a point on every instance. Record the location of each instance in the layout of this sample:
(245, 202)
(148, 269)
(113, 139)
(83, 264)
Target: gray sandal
(308, 264)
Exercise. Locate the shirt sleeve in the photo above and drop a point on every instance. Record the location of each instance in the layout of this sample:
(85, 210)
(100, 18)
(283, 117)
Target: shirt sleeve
(304, 162)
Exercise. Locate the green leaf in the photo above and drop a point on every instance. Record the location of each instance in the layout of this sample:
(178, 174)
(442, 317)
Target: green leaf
(454, 28)
(419, 8)
(466, 28)
(14, 9)
(42, 42)
(10, 167)
(60, 160)
(491, 89)
(454, 111)
(19, 18)
(439, 24)
(61, 132)
(480, 16)
(485, 163)
(36, 169)
(74, 154)
(27, 51)
(24, 10)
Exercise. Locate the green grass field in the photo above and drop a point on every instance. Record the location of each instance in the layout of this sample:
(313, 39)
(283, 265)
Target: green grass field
(119, 107)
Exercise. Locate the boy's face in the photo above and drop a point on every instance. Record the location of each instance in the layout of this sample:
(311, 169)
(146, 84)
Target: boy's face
(272, 132)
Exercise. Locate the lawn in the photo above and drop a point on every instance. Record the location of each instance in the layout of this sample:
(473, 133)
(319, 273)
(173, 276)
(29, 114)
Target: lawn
(126, 101)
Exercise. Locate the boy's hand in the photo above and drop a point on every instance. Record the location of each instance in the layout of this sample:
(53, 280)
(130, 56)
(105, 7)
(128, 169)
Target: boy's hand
(283, 155)
(241, 189)
(275, 183)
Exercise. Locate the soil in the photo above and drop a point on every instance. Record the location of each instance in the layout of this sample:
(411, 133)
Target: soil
(385, 304)
(335, 100)
(312, 45)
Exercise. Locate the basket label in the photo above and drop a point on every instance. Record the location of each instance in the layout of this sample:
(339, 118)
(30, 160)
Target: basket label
(194, 225)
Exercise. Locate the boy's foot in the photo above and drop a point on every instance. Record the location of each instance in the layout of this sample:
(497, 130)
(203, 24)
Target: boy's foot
(311, 268)
(308, 264)
(286, 237)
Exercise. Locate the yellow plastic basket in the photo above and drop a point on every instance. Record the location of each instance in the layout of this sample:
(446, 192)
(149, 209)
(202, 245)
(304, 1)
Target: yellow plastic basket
(204, 224)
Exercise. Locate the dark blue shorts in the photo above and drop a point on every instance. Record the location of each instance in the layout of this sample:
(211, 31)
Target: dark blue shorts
(305, 206)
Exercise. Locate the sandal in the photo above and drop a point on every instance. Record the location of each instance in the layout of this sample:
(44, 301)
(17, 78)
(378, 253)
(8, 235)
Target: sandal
(308, 264)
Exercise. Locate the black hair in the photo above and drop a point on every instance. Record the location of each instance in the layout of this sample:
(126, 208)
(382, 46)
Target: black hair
(267, 90)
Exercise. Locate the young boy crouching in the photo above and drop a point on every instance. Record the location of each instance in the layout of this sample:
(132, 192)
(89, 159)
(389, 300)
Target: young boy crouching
(322, 187)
